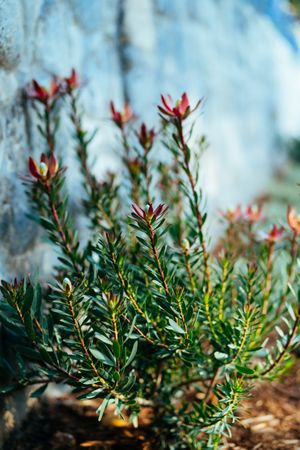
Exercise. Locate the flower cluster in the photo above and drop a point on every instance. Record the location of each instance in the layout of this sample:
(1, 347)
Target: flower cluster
(58, 87)
(253, 213)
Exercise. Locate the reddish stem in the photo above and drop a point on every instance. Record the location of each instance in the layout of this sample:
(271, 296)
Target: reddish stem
(60, 228)
(268, 278)
(198, 213)
(156, 257)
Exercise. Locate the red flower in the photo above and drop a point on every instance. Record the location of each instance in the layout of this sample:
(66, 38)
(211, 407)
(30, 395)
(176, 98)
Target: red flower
(120, 118)
(293, 220)
(253, 213)
(44, 171)
(274, 234)
(42, 94)
(72, 82)
(232, 215)
(146, 137)
(180, 111)
(150, 214)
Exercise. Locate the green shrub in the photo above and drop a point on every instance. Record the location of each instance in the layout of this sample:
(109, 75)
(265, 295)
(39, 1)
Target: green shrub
(147, 314)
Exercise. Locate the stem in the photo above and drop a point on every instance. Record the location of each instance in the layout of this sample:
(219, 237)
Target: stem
(81, 340)
(123, 283)
(223, 290)
(116, 336)
(151, 341)
(208, 315)
(157, 260)
(49, 134)
(147, 176)
(134, 185)
(182, 317)
(268, 278)
(211, 386)
(243, 340)
(196, 205)
(60, 229)
(188, 267)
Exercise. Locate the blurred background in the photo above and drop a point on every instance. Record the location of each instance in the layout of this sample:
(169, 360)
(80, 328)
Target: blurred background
(242, 56)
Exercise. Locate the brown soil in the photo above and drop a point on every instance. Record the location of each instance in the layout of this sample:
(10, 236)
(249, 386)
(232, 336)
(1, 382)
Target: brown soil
(269, 420)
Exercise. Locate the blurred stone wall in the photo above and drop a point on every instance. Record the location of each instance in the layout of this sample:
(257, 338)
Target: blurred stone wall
(232, 52)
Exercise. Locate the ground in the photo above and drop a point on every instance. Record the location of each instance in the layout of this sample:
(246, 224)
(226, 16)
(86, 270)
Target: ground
(269, 420)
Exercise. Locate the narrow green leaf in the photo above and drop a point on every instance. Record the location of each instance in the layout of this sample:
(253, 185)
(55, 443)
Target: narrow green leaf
(101, 357)
(245, 370)
(38, 392)
(220, 356)
(175, 327)
(132, 354)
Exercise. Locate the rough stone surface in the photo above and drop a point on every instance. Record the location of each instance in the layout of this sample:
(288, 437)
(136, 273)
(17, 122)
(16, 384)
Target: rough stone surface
(231, 52)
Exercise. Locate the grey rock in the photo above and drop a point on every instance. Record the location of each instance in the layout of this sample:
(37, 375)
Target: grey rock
(11, 33)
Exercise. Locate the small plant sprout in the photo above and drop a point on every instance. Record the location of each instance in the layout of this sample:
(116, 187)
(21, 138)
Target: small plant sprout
(145, 315)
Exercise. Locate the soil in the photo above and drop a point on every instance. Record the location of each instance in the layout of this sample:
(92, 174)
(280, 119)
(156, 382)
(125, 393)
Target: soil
(269, 420)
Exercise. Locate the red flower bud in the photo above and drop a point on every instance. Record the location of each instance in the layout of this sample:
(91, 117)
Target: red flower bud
(72, 82)
(42, 94)
(253, 213)
(149, 214)
(44, 171)
(146, 137)
(232, 215)
(120, 117)
(293, 220)
(180, 111)
(275, 234)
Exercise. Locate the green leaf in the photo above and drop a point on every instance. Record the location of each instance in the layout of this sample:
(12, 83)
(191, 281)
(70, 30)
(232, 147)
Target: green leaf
(100, 411)
(103, 338)
(92, 394)
(175, 327)
(28, 299)
(29, 326)
(38, 392)
(117, 349)
(220, 356)
(101, 357)
(132, 354)
(8, 388)
(116, 376)
(245, 370)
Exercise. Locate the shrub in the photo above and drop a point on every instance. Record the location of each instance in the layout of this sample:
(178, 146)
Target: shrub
(147, 314)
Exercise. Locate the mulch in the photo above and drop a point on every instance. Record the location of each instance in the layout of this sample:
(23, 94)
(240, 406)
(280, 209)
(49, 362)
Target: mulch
(269, 420)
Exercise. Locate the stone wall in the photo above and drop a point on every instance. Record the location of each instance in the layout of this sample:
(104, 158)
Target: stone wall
(229, 51)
